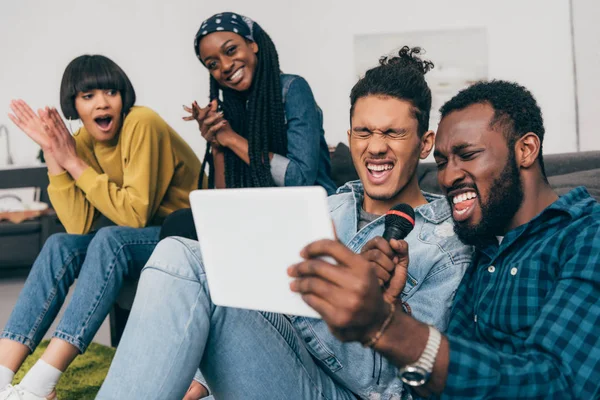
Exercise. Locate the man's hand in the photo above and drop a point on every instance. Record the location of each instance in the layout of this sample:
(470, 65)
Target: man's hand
(390, 262)
(196, 391)
(381, 257)
(347, 295)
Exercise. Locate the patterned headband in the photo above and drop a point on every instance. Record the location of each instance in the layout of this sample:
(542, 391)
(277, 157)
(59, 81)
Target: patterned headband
(225, 22)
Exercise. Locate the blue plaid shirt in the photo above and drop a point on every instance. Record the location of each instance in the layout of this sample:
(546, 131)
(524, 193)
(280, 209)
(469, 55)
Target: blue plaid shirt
(526, 317)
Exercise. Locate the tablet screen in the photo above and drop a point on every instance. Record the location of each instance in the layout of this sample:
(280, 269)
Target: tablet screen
(248, 239)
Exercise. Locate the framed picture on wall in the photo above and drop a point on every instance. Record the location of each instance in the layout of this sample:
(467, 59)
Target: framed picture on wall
(460, 58)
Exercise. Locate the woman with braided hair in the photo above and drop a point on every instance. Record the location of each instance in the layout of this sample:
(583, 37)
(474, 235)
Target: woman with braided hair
(263, 128)
(267, 129)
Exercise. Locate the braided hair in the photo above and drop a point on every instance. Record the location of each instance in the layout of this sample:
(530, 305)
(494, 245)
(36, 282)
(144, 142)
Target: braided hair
(257, 115)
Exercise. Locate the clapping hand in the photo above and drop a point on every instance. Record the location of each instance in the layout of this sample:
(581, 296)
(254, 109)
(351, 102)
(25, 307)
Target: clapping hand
(29, 122)
(61, 143)
(211, 122)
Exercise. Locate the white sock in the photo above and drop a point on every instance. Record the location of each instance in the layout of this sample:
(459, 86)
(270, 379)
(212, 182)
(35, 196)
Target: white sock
(6, 376)
(41, 379)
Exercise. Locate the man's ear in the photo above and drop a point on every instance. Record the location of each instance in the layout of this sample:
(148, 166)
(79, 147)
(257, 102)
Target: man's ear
(527, 150)
(427, 141)
(349, 141)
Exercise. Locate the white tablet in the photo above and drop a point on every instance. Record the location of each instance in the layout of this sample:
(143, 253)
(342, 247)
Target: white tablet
(248, 239)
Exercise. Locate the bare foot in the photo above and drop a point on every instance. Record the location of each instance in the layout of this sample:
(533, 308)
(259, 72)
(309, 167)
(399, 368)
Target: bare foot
(196, 391)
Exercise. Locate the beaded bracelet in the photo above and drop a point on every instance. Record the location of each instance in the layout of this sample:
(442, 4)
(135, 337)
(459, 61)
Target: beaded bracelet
(406, 308)
(371, 342)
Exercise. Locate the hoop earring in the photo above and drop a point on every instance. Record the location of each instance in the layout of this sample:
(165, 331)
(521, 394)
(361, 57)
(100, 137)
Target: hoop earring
(71, 128)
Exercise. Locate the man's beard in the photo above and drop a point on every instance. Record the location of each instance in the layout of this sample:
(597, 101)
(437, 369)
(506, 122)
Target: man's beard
(505, 198)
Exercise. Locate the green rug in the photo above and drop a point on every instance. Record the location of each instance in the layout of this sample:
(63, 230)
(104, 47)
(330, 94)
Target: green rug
(82, 380)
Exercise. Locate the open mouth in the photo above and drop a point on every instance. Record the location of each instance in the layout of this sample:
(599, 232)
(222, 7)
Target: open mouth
(236, 77)
(463, 205)
(379, 172)
(104, 122)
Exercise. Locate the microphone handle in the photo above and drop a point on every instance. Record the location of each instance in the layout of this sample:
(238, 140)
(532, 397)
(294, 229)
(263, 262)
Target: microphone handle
(392, 232)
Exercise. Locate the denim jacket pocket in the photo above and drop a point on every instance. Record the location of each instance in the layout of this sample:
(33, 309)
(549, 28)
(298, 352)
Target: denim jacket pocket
(411, 284)
(313, 331)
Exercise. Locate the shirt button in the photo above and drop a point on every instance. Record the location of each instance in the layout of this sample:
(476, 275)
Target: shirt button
(475, 318)
(491, 269)
(513, 271)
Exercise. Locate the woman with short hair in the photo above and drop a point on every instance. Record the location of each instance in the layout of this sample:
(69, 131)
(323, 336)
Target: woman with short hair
(125, 163)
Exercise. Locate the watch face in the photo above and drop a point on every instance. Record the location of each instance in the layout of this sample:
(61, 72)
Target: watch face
(413, 375)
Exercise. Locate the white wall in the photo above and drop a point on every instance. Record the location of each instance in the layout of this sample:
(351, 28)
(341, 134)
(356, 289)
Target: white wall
(587, 56)
(529, 42)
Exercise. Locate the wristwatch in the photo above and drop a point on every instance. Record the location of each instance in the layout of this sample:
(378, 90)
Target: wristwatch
(418, 373)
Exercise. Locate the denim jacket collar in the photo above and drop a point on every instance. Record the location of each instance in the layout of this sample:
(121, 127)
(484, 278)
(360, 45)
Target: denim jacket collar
(435, 211)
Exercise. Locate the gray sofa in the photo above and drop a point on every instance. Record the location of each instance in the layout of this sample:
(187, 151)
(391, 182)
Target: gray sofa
(21, 243)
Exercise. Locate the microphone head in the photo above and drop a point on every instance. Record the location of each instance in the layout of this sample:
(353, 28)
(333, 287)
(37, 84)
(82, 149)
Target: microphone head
(399, 221)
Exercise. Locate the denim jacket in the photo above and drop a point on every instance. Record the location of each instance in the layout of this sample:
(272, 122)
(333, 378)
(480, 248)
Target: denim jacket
(437, 263)
(307, 160)
(438, 259)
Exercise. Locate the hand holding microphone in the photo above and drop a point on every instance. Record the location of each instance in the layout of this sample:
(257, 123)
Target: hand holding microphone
(388, 255)
(346, 292)
(399, 221)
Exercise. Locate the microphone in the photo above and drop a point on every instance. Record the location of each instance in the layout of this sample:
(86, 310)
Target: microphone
(399, 221)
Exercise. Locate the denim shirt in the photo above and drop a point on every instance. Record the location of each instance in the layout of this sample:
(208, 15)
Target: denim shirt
(438, 260)
(307, 160)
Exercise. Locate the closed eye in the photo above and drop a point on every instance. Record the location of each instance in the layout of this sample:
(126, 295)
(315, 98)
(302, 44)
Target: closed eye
(468, 156)
(361, 133)
(396, 134)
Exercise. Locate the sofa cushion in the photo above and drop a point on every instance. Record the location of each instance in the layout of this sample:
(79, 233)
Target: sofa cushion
(566, 163)
(590, 179)
(427, 173)
(342, 168)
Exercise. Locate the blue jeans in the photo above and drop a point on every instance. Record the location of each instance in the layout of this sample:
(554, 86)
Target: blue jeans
(174, 327)
(100, 262)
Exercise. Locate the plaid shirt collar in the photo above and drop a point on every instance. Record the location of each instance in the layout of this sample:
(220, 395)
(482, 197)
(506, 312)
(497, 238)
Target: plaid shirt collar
(571, 205)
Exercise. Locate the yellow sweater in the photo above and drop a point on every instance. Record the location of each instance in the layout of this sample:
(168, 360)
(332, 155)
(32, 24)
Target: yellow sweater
(145, 173)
